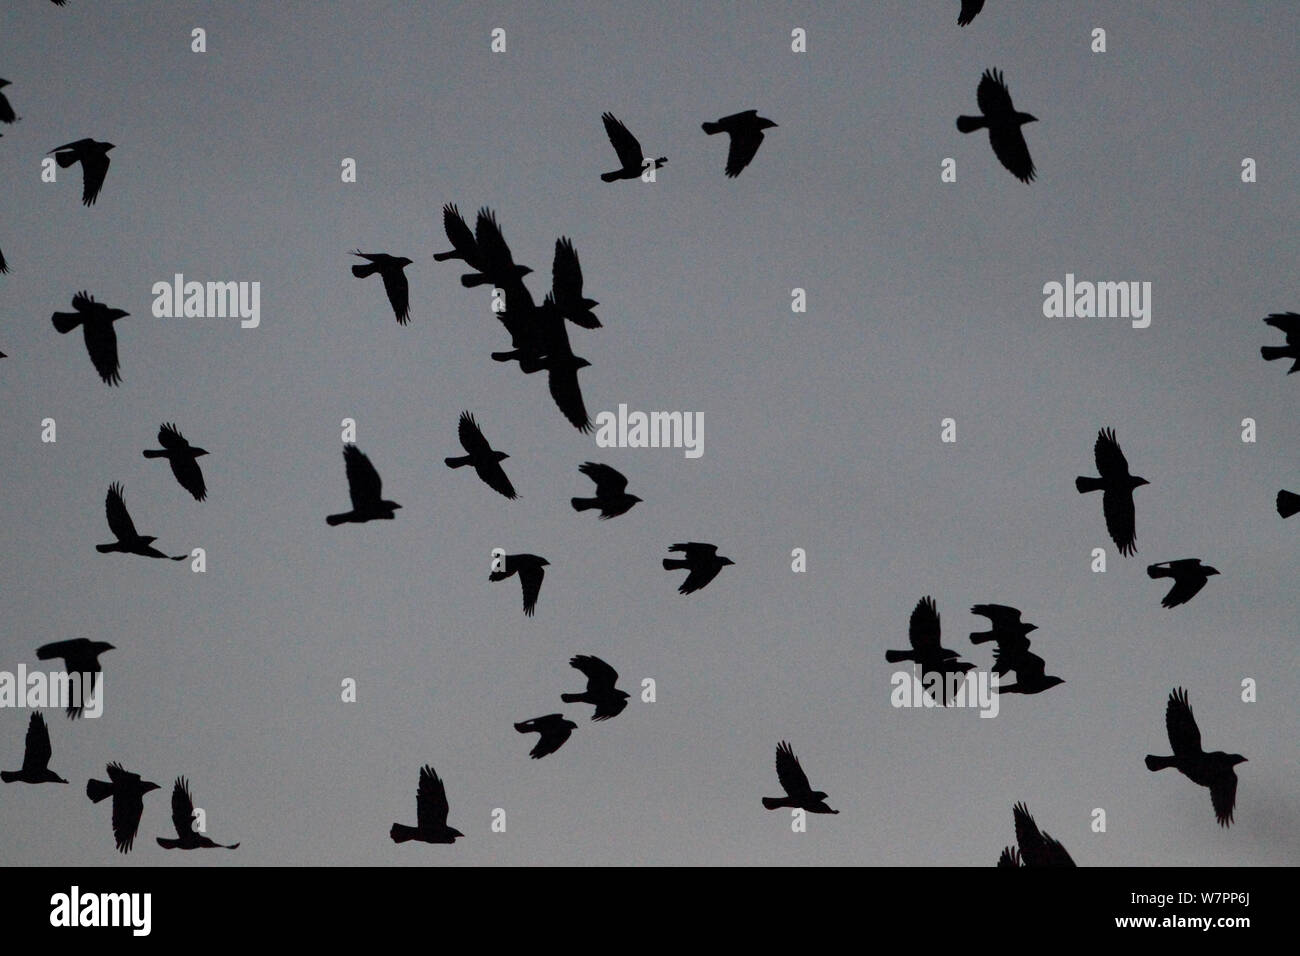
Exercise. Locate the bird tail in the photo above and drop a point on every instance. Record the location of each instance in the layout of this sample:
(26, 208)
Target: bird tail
(105, 548)
(1086, 485)
(475, 279)
(712, 128)
(497, 575)
(1159, 763)
(608, 177)
(9, 776)
(969, 124)
(65, 322)
(154, 453)
(572, 698)
(336, 519)
(586, 504)
(771, 803)
(1271, 352)
(672, 564)
(401, 833)
(981, 637)
(168, 844)
(98, 790)
(361, 271)
(458, 462)
(506, 356)
(1288, 503)
(444, 256)
(894, 657)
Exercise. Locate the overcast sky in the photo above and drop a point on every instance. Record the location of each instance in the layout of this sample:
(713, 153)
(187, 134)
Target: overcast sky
(822, 430)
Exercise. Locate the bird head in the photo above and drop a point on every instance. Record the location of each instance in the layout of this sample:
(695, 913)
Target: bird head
(3, 84)
(622, 694)
(57, 778)
(819, 794)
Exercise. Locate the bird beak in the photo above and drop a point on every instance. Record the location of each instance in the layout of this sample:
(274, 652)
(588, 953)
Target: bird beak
(1031, 627)
(200, 451)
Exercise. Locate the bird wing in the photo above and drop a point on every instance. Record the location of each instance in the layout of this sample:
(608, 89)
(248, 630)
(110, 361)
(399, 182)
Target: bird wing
(64, 649)
(187, 472)
(608, 481)
(83, 302)
(624, 143)
(430, 801)
(563, 383)
(1111, 462)
(169, 437)
(696, 550)
(992, 95)
(1010, 857)
(744, 144)
(1288, 322)
(36, 755)
(601, 678)
(530, 579)
(7, 114)
(969, 10)
(119, 520)
(494, 476)
(471, 436)
(999, 615)
(364, 484)
(1121, 522)
(788, 771)
(1184, 589)
(182, 808)
(94, 167)
(128, 805)
(101, 343)
(1027, 835)
(1223, 794)
(1054, 854)
(923, 628)
(700, 575)
(398, 292)
(491, 243)
(1012, 151)
(1184, 735)
(566, 272)
(459, 234)
(1029, 668)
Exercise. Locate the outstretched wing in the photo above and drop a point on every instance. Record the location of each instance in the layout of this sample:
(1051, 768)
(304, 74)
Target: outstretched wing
(788, 771)
(609, 482)
(566, 272)
(182, 808)
(744, 145)
(36, 755)
(398, 292)
(101, 343)
(364, 484)
(624, 143)
(1000, 616)
(459, 233)
(563, 383)
(1184, 735)
(1288, 322)
(992, 95)
(923, 629)
(471, 436)
(601, 678)
(119, 520)
(530, 579)
(1223, 794)
(430, 801)
(1111, 462)
(94, 167)
(695, 550)
(1121, 521)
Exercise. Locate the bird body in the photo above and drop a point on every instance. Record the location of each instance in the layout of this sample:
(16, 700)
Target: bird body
(531, 570)
(183, 820)
(1003, 121)
(1189, 577)
(701, 560)
(632, 160)
(1212, 770)
(1288, 503)
(182, 456)
(80, 656)
(746, 133)
(799, 793)
(93, 157)
(129, 541)
(36, 756)
(392, 269)
(608, 700)
(96, 321)
(611, 496)
(127, 791)
(485, 460)
(1036, 848)
(366, 490)
(1116, 485)
(553, 729)
(431, 811)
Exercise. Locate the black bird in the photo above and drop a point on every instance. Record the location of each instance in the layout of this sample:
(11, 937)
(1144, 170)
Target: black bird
(701, 561)
(611, 491)
(1116, 486)
(1288, 322)
(183, 821)
(127, 791)
(923, 633)
(1007, 628)
(183, 457)
(7, 114)
(496, 262)
(1189, 577)
(1031, 676)
(554, 731)
(566, 287)
(93, 157)
(392, 270)
(96, 321)
(129, 541)
(1288, 503)
(80, 656)
(36, 756)
(628, 150)
(969, 10)
(366, 489)
(1003, 122)
(430, 813)
(746, 132)
(608, 700)
(461, 237)
(798, 792)
(531, 570)
(1213, 770)
(486, 460)
(1036, 848)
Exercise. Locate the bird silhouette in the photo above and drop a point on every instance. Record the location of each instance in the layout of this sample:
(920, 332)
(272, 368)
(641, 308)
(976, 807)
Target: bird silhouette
(127, 791)
(80, 656)
(1007, 628)
(7, 114)
(1212, 770)
(129, 541)
(969, 10)
(611, 492)
(461, 237)
(608, 700)
(183, 457)
(96, 321)
(566, 287)
(1003, 122)
(531, 570)
(632, 160)
(923, 633)
(36, 756)
(746, 132)
(430, 813)
(1116, 486)
(183, 821)
(1035, 848)
(1189, 577)
(392, 269)
(366, 489)
(1031, 676)
(486, 461)
(93, 157)
(541, 343)
(702, 561)
(553, 729)
(798, 792)
(1289, 323)
(1288, 503)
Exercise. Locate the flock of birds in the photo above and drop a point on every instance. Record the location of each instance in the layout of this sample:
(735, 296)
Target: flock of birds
(540, 342)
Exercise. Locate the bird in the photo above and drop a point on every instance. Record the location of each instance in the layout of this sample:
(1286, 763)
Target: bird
(608, 700)
(923, 633)
(183, 821)
(746, 132)
(701, 561)
(1116, 486)
(562, 369)
(4, 266)
(798, 792)
(1288, 503)
(566, 287)
(461, 237)
(531, 571)
(611, 492)
(430, 813)
(1007, 628)
(1289, 323)
(129, 541)
(486, 461)
(127, 791)
(1031, 676)
(969, 10)
(1036, 848)
(496, 263)
(629, 151)
(1212, 770)
(1003, 122)
(554, 730)
(96, 321)
(93, 157)
(80, 657)
(183, 457)
(7, 114)
(392, 270)
(1189, 577)
(36, 756)
(366, 490)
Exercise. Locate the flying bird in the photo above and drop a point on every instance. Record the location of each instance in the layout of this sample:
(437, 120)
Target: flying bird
(1289, 323)
(798, 792)
(553, 729)
(96, 321)
(366, 489)
(1116, 486)
(7, 114)
(969, 10)
(129, 541)
(36, 756)
(430, 813)
(461, 237)
(183, 821)
(80, 656)
(566, 287)
(923, 633)
(608, 700)
(531, 570)
(701, 561)
(1036, 848)
(1010, 856)
(183, 457)
(1007, 628)
(486, 461)
(1189, 577)
(1213, 770)
(746, 132)
(127, 791)
(392, 269)
(611, 491)
(93, 157)
(1288, 503)
(628, 149)
(1003, 122)
(1031, 672)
